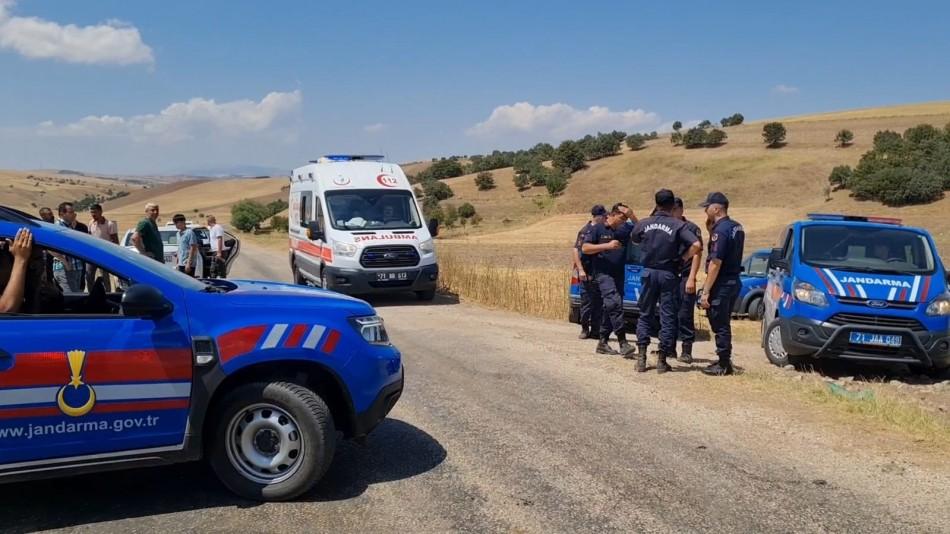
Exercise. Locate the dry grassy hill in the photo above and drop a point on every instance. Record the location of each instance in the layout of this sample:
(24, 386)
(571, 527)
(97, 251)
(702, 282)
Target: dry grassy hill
(767, 187)
(31, 190)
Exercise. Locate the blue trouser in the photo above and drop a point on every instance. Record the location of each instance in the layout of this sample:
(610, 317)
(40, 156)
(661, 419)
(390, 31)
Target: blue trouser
(592, 306)
(611, 292)
(686, 326)
(720, 314)
(659, 291)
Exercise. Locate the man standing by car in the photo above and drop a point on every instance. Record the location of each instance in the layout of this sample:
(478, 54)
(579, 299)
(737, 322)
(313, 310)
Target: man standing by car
(146, 238)
(686, 327)
(592, 306)
(187, 246)
(607, 244)
(69, 272)
(723, 267)
(104, 229)
(219, 268)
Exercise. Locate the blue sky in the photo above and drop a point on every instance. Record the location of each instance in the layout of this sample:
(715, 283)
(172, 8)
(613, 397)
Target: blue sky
(162, 87)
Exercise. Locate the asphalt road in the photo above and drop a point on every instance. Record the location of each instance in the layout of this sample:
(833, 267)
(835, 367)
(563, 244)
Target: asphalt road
(510, 424)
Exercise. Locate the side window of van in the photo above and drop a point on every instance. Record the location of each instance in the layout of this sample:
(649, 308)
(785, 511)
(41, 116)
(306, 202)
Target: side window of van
(305, 199)
(318, 211)
(787, 242)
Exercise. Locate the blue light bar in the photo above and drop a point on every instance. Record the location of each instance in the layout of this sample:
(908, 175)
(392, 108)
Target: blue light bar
(858, 218)
(354, 157)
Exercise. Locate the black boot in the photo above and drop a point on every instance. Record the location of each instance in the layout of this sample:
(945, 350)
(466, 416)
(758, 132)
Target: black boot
(625, 348)
(721, 368)
(686, 355)
(585, 333)
(642, 359)
(604, 348)
(661, 365)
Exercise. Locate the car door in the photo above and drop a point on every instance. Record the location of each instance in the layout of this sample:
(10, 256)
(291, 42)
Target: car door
(75, 385)
(778, 288)
(631, 276)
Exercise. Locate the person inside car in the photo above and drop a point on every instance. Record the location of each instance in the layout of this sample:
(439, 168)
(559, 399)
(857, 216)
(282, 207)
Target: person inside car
(14, 259)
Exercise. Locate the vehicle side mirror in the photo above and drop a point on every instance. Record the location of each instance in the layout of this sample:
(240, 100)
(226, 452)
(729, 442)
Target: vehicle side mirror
(433, 227)
(777, 260)
(141, 300)
(314, 232)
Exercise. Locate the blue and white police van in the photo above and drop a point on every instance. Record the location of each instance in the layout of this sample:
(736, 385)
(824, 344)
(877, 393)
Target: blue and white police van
(257, 377)
(865, 289)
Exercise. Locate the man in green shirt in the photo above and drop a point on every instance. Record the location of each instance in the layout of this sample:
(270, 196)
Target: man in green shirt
(146, 237)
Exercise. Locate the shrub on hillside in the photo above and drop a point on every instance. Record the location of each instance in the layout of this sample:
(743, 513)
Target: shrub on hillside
(543, 151)
(733, 120)
(466, 211)
(705, 124)
(844, 138)
(773, 134)
(600, 146)
(485, 181)
(437, 190)
(694, 138)
(521, 181)
(899, 186)
(715, 137)
(677, 125)
(451, 216)
(568, 156)
(556, 181)
(279, 223)
(246, 215)
(444, 168)
(635, 141)
(840, 176)
(676, 138)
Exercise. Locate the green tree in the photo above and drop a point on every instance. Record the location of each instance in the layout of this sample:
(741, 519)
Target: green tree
(246, 215)
(733, 120)
(694, 137)
(705, 124)
(556, 181)
(521, 181)
(543, 151)
(444, 168)
(437, 190)
(485, 181)
(635, 141)
(451, 215)
(898, 186)
(840, 176)
(844, 138)
(773, 134)
(466, 211)
(677, 125)
(715, 137)
(568, 156)
(676, 138)
(920, 134)
(279, 223)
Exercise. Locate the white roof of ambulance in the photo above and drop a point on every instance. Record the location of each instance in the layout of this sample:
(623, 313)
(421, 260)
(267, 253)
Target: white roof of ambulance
(332, 174)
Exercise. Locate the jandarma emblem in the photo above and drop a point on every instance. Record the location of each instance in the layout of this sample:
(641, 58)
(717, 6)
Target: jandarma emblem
(76, 398)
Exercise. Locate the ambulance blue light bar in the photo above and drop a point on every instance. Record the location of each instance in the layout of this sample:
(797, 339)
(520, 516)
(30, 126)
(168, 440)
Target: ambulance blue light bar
(350, 157)
(858, 218)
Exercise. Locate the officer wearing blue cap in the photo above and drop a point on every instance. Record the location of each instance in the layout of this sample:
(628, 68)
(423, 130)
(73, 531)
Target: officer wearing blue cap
(662, 240)
(686, 326)
(592, 306)
(723, 266)
(606, 243)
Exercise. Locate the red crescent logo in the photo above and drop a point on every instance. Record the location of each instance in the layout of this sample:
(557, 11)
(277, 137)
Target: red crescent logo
(387, 180)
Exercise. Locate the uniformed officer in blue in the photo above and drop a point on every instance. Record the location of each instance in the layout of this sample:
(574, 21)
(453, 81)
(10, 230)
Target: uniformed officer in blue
(723, 266)
(663, 240)
(592, 306)
(606, 243)
(686, 326)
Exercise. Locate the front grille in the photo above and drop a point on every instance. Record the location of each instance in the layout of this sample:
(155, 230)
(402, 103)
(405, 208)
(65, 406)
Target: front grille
(384, 257)
(392, 283)
(892, 304)
(845, 319)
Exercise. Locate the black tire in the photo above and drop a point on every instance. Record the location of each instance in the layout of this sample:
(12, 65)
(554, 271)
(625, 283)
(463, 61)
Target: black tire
(298, 277)
(776, 354)
(427, 295)
(756, 309)
(314, 430)
(574, 314)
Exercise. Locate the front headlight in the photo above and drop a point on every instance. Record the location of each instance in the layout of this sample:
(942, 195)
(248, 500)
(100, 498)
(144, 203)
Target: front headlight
(805, 292)
(940, 306)
(372, 328)
(344, 249)
(427, 246)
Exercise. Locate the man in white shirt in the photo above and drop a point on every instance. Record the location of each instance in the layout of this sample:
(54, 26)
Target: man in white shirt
(105, 229)
(218, 251)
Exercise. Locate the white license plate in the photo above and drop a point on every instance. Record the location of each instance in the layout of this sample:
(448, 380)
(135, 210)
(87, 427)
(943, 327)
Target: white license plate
(877, 340)
(389, 277)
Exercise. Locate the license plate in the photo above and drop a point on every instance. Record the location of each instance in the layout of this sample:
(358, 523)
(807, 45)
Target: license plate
(878, 340)
(389, 277)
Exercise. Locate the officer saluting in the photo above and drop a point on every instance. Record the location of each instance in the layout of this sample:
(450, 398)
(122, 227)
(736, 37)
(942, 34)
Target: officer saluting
(592, 307)
(662, 240)
(607, 244)
(723, 265)
(686, 327)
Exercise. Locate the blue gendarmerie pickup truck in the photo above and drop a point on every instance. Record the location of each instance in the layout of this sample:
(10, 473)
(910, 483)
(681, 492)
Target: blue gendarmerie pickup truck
(257, 377)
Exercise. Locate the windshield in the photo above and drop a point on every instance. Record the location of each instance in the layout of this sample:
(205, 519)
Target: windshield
(373, 209)
(758, 265)
(867, 249)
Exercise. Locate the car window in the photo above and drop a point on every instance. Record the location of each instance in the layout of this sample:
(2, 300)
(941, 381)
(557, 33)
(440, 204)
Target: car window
(758, 265)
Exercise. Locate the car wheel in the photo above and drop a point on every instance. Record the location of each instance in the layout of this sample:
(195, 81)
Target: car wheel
(299, 278)
(272, 441)
(774, 348)
(427, 295)
(756, 309)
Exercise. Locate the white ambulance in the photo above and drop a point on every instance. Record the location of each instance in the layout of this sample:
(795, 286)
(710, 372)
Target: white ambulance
(356, 227)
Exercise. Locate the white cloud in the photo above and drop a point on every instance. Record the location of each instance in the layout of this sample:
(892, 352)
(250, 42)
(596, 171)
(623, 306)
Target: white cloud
(184, 120)
(782, 89)
(375, 128)
(560, 120)
(112, 42)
